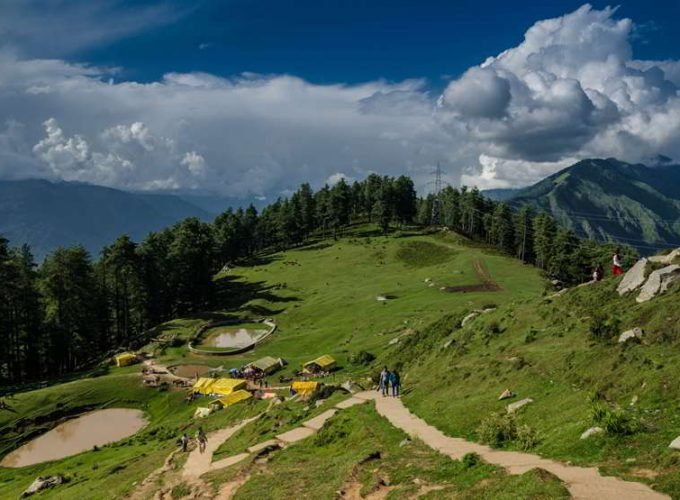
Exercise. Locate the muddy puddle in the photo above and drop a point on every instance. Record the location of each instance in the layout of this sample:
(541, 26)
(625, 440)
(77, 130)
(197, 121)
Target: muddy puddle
(80, 434)
(189, 371)
(234, 339)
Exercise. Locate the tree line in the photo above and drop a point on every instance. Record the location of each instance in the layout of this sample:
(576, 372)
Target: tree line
(533, 237)
(71, 310)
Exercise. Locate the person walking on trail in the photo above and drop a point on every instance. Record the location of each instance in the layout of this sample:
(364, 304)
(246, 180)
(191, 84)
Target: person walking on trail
(598, 273)
(395, 382)
(384, 381)
(617, 266)
(184, 442)
(202, 439)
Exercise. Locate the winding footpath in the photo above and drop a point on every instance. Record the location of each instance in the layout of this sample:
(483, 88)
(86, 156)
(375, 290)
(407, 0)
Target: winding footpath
(583, 482)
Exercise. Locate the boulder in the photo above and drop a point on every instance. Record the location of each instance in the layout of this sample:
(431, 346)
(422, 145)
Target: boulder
(469, 317)
(675, 445)
(506, 394)
(448, 343)
(393, 341)
(42, 483)
(592, 432)
(634, 278)
(513, 407)
(666, 259)
(658, 282)
(635, 333)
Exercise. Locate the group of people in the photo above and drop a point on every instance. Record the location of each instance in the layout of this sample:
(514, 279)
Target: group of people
(389, 380)
(617, 267)
(201, 440)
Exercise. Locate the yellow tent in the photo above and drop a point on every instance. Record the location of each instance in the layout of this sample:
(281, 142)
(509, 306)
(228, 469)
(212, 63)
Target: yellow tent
(203, 385)
(125, 359)
(267, 364)
(322, 363)
(225, 386)
(305, 388)
(233, 398)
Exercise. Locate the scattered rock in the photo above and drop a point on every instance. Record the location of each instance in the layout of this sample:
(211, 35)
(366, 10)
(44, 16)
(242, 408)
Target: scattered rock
(635, 333)
(427, 280)
(592, 432)
(658, 282)
(448, 343)
(634, 278)
(506, 394)
(488, 310)
(557, 294)
(666, 259)
(319, 402)
(42, 483)
(381, 298)
(675, 445)
(404, 442)
(469, 317)
(630, 460)
(513, 407)
(393, 341)
(634, 400)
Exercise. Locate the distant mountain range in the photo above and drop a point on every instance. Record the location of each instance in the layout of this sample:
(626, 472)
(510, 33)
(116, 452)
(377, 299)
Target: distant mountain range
(47, 215)
(607, 199)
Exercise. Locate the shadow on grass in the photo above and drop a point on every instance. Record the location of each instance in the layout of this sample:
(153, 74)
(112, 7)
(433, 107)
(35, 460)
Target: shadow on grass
(234, 294)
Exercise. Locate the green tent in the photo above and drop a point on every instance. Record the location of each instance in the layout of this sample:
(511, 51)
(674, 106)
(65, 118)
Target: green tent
(267, 364)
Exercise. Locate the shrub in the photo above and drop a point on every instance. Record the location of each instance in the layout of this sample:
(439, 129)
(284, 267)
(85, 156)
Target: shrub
(180, 491)
(471, 460)
(527, 437)
(530, 336)
(362, 358)
(615, 421)
(603, 328)
(497, 429)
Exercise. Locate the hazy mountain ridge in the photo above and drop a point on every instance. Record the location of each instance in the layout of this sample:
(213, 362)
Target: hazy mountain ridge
(47, 215)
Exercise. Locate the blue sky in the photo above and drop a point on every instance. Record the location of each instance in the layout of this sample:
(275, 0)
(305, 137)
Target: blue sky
(328, 41)
(251, 98)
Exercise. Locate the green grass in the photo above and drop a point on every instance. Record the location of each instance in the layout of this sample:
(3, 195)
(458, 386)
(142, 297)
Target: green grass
(542, 349)
(359, 449)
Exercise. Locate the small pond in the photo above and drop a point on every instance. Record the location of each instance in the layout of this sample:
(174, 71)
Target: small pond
(233, 337)
(80, 434)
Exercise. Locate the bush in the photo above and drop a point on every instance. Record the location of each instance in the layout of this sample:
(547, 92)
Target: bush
(603, 328)
(362, 358)
(527, 437)
(616, 421)
(471, 460)
(497, 429)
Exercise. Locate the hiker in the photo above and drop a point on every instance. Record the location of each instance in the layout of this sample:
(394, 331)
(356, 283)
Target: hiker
(382, 380)
(598, 273)
(184, 441)
(202, 439)
(395, 382)
(385, 381)
(617, 266)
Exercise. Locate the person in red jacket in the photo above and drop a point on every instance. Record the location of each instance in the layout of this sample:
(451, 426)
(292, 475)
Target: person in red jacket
(617, 266)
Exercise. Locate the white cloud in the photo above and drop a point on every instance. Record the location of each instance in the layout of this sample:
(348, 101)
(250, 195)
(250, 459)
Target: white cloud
(572, 89)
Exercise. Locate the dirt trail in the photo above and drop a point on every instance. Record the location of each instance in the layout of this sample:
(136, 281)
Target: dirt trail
(583, 482)
(486, 282)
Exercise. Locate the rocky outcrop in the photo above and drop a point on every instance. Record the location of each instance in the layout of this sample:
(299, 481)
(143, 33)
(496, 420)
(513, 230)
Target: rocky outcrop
(635, 333)
(592, 432)
(42, 483)
(469, 317)
(666, 259)
(634, 278)
(513, 407)
(658, 282)
(506, 394)
(675, 444)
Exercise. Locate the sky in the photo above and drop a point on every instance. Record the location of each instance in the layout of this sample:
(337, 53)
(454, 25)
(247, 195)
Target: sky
(249, 99)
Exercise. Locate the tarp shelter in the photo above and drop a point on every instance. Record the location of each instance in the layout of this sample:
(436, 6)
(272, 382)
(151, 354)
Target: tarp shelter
(305, 388)
(125, 359)
(322, 363)
(202, 412)
(233, 398)
(225, 386)
(267, 364)
(203, 384)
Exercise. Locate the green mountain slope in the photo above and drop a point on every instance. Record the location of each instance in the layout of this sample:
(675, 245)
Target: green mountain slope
(612, 200)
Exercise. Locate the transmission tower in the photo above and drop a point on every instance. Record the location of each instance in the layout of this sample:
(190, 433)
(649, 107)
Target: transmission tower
(437, 202)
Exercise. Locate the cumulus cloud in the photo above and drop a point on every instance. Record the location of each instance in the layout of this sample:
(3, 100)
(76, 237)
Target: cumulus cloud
(572, 89)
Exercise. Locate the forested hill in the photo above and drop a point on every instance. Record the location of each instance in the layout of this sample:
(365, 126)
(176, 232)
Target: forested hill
(609, 199)
(48, 215)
